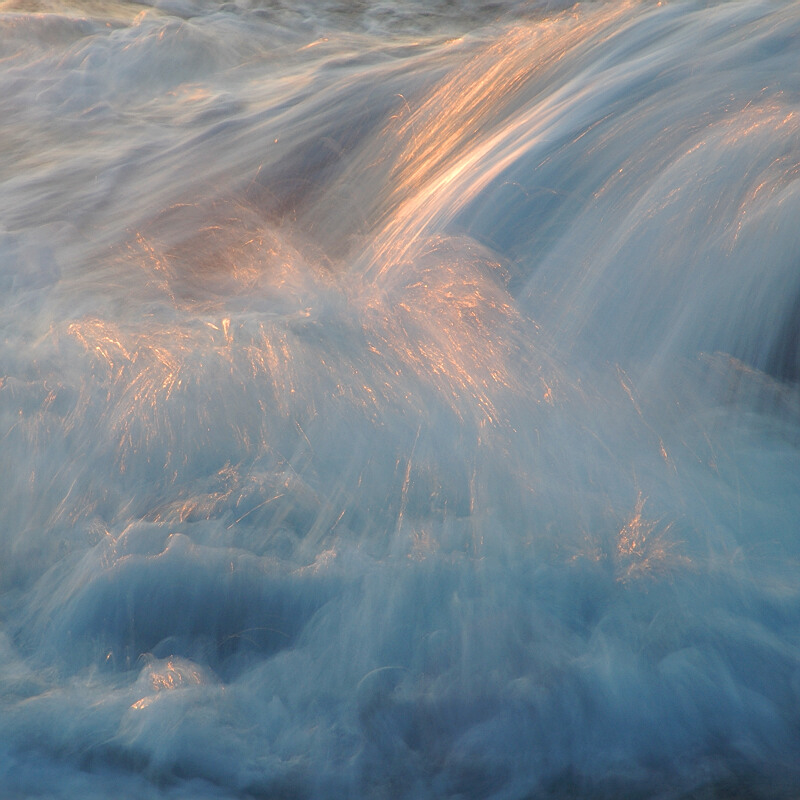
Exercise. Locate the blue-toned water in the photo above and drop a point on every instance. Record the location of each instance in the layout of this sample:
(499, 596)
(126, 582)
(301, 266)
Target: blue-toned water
(399, 399)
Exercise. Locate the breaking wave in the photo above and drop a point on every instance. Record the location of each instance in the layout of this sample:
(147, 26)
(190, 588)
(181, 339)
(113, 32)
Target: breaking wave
(399, 399)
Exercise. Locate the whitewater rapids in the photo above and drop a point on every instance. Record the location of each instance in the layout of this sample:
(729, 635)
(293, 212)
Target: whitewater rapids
(399, 399)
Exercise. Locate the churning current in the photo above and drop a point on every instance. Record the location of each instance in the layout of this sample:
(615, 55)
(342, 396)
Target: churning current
(399, 399)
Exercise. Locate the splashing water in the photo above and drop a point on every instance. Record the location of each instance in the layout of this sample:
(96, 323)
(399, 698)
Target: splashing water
(399, 399)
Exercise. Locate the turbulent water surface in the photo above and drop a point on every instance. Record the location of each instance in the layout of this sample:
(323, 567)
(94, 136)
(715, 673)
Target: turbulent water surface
(398, 399)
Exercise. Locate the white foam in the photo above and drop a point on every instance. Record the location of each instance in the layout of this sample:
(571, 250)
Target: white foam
(399, 403)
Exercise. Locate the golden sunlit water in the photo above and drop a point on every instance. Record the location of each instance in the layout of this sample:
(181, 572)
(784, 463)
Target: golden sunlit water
(399, 400)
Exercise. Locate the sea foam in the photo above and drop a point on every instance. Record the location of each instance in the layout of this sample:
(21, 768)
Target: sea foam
(399, 400)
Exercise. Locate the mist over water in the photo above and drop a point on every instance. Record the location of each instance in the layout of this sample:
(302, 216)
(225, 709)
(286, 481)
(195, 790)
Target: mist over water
(399, 400)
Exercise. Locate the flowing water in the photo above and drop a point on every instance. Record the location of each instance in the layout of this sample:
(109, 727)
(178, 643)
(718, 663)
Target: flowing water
(399, 399)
